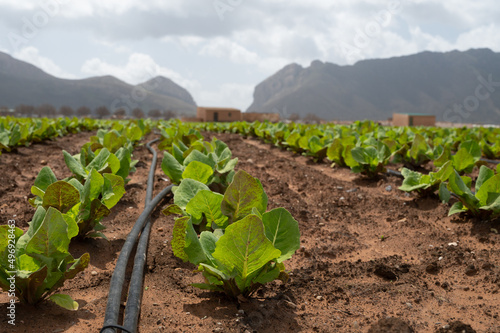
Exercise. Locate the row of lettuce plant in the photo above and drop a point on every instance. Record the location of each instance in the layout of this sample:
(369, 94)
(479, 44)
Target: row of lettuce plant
(23, 131)
(100, 173)
(65, 209)
(368, 148)
(446, 137)
(374, 146)
(222, 223)
(483, 201)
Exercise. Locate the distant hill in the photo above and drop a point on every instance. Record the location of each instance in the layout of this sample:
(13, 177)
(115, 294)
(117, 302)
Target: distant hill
(23, 83)
(426, 82)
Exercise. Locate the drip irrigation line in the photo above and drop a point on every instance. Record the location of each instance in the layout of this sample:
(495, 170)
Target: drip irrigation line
(394, 173)
(118, 278)
(115, 326)
(133, 306)
(490, 161)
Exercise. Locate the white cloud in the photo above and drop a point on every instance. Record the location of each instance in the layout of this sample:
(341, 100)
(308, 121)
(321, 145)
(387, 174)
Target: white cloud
(224, 48)
(116, 47)
(226, 95)
(187, 43)
(484, 36)
(74, 9)
(32, 55)
(24, 5)
(139, 68)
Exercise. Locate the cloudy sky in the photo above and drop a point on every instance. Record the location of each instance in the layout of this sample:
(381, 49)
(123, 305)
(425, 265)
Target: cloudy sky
(219, 50)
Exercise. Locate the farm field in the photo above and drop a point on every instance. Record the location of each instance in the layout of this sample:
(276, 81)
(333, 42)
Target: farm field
(368, 251)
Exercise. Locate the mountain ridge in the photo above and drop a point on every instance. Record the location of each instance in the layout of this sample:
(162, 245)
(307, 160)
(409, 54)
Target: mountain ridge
(24, 83)
(426, 82)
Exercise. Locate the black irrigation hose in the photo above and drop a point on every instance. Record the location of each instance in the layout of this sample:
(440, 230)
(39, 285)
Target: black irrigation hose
(133, 306)
(394, 173)
(490, 161)
(118, 278)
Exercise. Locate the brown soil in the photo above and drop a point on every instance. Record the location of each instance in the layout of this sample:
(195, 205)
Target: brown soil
(369, 252)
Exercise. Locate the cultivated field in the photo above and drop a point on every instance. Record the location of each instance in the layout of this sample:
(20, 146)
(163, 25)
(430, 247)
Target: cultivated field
(368, 251)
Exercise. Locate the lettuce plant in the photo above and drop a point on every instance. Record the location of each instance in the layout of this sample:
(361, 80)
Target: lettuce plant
(312, 143)
(240, 246)
(418, 153)
(491, 149)
(441, 156)
(317, 148)
(108, 151)
(370, 159)
(111, 140)
(425, 184)
(485, 203)
(291, 142)
(9, 138)
(40, 259)
(120, 136)
(86, 204)
(336, 151)
(467, 157)
(177, 133)
(104, 161)
(207, 162)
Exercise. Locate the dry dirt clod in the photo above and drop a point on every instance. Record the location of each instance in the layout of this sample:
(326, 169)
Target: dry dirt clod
(390, 325)
(385, 272)
(471, 270)
(456, 327)
(432, 268)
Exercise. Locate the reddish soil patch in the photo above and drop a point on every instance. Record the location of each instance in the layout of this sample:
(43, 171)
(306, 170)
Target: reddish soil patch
(368, 252)
(20, 167)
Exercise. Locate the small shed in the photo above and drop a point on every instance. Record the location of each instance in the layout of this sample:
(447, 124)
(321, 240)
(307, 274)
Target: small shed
(413, 119)
(218, 114)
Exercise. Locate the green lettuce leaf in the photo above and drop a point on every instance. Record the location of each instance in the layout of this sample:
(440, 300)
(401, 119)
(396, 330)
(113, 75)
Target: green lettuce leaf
(283, 232)
(208, 203)
(198, 171)
(245, 248)
(242, 195)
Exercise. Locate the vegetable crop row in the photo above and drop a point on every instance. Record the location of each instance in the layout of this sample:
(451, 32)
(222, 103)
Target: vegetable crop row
(368, 148)
(222, 223)
(65, 209)
(23, 131)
